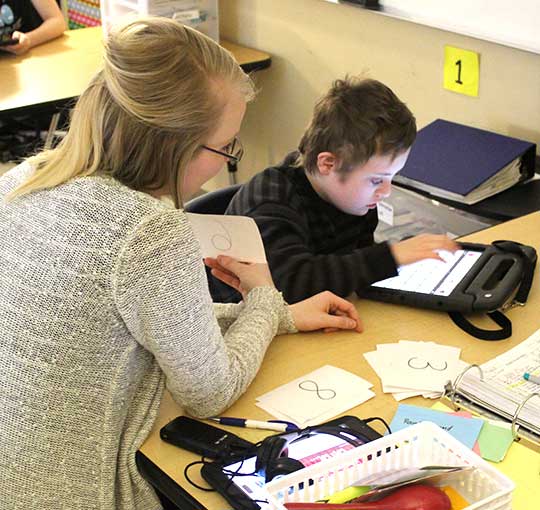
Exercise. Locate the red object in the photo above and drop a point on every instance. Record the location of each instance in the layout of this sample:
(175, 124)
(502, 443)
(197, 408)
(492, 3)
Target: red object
(412, 497)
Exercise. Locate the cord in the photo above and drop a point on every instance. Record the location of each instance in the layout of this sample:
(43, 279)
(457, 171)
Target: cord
(230, 457)
(377, 418)
(226, 458)
(203, 461)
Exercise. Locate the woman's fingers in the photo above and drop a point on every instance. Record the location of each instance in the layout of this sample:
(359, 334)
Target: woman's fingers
(227, 278)
(343, 308)
(214, 264)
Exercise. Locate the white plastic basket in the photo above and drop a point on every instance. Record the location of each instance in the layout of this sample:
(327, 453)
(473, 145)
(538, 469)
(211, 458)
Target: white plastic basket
(206, 21)
(420, 445)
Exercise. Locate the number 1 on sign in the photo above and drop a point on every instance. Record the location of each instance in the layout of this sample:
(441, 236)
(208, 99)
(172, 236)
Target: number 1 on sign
(461, 71)
(458, 63)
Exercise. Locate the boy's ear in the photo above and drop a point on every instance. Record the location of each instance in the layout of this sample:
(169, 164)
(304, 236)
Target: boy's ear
(327, 163)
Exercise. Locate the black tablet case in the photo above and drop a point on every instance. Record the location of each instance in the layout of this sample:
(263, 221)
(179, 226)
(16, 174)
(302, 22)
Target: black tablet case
(486, 287)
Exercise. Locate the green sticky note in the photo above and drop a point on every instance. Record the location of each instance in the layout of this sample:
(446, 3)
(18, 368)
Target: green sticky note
(494, 441)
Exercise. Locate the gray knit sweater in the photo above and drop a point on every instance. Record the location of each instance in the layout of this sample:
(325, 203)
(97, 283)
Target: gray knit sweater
(103, 303)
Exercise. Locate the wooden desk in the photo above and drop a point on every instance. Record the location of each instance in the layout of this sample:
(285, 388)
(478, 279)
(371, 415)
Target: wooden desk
(52, 72)
(58, 71)
(292, 356)
(248, 58)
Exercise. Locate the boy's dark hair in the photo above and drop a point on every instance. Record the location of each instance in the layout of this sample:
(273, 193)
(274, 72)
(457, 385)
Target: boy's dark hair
(356, 119)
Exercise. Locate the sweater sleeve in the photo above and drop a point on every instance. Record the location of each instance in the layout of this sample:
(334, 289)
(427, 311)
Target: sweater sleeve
(299, 273)
(227, 313)
(162, 297)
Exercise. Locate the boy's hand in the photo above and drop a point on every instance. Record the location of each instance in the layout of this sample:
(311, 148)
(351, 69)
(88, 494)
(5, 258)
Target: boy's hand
(21, 47)
(424, 246)
(241, 276)
(325, 311)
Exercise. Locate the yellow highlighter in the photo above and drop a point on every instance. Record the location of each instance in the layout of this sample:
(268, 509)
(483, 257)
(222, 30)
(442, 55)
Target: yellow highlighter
(347, 494)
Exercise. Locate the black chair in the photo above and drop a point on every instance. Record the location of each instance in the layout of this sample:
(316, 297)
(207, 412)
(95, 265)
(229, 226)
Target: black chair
(216, 202)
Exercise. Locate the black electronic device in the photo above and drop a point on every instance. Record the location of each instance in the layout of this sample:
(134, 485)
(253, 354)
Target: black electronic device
(204, 439)
(240, 481)
(476, 278)
(374, 5)
(8, 42)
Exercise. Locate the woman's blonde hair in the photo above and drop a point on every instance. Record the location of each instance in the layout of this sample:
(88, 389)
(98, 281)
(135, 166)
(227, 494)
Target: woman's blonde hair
(146, 113)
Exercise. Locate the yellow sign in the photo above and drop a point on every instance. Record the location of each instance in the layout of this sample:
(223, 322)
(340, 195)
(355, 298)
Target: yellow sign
(461, 71)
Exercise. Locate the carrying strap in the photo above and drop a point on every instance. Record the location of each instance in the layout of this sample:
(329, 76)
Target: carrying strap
(484, 334)
(528, 255)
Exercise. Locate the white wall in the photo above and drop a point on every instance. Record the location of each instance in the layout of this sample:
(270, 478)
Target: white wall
(501, 21)
(313, 42)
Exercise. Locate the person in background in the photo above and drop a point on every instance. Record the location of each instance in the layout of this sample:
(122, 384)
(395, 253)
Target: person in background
(28, 23)
(103, 294)
(317, 210)
(23, 25)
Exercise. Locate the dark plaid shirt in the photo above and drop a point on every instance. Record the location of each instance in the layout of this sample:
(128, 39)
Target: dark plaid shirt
(310, 245)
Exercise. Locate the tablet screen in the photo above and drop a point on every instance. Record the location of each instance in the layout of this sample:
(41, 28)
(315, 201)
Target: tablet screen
(309, 450)
(430, 276)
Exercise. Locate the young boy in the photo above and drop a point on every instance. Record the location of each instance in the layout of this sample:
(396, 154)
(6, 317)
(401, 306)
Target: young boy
(316, 211)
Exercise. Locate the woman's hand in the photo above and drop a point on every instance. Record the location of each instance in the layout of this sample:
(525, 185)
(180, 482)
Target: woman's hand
(424, 246)
(241, 276)
(325, 311)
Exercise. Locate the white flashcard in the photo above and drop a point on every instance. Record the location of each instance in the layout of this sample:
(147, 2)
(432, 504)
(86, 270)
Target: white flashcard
(234, 236)
(422, 367)
(411, 368)
(317, 396)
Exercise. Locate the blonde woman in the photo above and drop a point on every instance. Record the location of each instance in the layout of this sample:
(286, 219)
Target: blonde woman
(103, 294)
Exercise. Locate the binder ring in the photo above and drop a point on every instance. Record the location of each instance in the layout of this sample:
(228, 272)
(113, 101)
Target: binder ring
(518, 410)
(454, 387)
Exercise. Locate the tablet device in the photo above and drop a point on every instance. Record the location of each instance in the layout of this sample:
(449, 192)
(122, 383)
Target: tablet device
(238, 483)
(476, 278)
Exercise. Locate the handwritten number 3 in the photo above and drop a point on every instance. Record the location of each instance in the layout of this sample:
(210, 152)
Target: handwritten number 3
(416, 365)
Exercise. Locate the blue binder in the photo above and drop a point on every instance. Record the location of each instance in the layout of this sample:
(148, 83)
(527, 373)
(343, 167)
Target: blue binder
(452, 160)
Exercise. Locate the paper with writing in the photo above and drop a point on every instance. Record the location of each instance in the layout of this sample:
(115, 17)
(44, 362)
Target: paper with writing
(317, 396)
(235, 236)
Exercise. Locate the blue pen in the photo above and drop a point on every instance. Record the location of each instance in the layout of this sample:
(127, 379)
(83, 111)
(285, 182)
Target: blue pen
(531, 378)
(277, 425)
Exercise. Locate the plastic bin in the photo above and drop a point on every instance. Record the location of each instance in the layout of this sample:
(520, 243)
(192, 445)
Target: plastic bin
(415, 214)
(200, 14)
(416, 446)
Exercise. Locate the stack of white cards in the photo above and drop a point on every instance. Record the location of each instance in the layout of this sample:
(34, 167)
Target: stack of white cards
(316, 397)
(408, 369)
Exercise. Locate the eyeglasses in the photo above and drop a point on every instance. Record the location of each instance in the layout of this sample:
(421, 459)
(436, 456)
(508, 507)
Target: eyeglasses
(233, 151)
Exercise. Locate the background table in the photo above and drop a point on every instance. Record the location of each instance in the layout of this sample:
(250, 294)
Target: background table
(50, 76)
(292, 356)
(58, 71)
